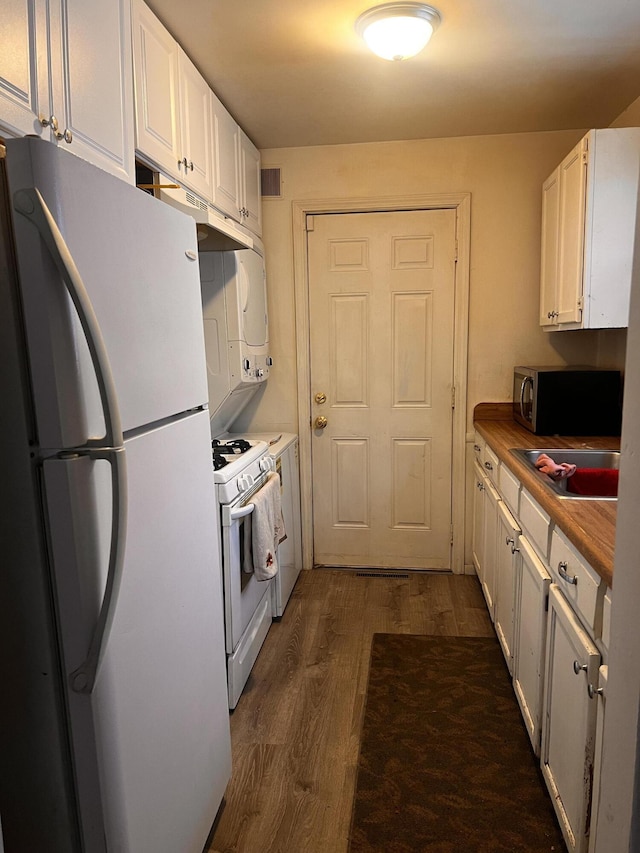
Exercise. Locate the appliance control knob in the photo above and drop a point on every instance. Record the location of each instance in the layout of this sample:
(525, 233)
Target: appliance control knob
(266, 463)
(269, 361)
(244, 482)
(246, 363)
(259, 372)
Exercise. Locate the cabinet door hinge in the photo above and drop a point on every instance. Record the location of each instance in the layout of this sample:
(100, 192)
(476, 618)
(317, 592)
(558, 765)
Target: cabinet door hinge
(309, 225)
(580, 303)
(451, 535)
(455, 260)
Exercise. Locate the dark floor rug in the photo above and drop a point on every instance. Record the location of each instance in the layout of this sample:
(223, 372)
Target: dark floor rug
(446, 765)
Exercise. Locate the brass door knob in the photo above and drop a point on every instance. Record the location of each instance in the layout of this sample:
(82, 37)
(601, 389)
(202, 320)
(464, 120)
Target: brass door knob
(321, 397)
(320, 422)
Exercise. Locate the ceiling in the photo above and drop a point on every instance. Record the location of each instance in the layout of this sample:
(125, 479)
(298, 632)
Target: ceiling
(295, 73)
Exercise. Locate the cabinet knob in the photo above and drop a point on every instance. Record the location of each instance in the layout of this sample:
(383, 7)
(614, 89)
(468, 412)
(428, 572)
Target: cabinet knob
(51, 122)
(593, 691)
(191, 165)
(67, 136)
(488, 466)
(578, 667)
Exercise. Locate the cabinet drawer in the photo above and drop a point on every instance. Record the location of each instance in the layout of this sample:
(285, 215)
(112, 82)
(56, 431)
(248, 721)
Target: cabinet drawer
(578, 581)
(509, 488)
(536, 523)
(491, 465)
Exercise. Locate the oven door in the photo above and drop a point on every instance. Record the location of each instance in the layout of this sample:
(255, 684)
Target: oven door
(243, 594)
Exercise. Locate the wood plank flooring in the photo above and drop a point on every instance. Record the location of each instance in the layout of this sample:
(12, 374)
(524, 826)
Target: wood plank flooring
(295, 732)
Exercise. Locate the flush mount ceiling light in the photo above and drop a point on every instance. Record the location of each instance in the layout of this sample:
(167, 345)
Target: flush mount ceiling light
(398, 30)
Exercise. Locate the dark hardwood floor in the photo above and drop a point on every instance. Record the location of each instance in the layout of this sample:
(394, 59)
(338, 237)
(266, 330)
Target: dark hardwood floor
(295, 732)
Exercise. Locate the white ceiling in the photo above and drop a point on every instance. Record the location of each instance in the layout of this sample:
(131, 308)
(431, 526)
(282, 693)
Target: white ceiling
(294, 72)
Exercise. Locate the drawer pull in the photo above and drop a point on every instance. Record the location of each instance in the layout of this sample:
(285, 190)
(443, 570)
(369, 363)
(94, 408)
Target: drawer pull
(578, 667)
(562, 571)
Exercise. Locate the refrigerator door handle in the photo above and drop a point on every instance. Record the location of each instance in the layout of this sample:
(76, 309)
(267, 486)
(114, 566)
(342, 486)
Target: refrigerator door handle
(30, 204)
(83, 679)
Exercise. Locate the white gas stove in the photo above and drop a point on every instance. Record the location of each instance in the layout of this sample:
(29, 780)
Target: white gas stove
(239, 465)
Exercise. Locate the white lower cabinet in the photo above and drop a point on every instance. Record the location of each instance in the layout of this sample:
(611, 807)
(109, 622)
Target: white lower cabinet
(569, 720)
(599, 694)
(551, 613)
(477, 537)
(507, 537)
(531, 605)
(490, 533)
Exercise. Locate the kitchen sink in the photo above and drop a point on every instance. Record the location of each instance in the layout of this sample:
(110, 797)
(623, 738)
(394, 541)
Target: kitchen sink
(595, 484)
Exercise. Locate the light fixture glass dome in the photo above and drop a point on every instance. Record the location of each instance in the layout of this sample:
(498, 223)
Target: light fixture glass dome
(397, 31)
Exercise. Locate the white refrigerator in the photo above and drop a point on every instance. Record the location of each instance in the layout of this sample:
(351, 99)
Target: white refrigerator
(115, 727)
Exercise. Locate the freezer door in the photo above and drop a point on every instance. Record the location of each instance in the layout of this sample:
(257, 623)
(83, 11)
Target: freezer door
(151, 741)
(137, 259)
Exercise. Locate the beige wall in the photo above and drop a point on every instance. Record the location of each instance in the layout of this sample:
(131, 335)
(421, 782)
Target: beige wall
(504, 176)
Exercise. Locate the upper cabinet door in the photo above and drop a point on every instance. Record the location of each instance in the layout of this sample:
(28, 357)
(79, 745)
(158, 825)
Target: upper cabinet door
(573, 179)
(92, 94)
(250, 176)
(23, 65)
(225, 145)
(65, 75)
(195, 127)
(549, 257)
(155, 60)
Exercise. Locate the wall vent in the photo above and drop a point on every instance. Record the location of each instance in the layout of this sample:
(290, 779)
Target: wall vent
(271, 182)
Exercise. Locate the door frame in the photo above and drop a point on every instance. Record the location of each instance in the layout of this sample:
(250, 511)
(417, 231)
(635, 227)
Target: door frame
(461, 203)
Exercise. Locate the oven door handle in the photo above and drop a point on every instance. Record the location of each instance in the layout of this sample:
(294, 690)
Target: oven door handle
(247, 509)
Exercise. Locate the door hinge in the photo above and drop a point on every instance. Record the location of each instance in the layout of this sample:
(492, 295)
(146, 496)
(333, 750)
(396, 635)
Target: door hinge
(453, 396)
(580, 303)
(309, 225)
(455, 259)
(451, 535)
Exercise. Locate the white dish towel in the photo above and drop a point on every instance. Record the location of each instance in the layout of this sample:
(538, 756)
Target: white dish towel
(263, 531)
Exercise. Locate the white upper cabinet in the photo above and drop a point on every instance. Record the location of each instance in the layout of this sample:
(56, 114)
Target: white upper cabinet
(236, 190)
(23, 61)
(226, 159)
(171, 104)
(251, 209)
(588, 220)
(195, 127)
(65, 75)
(155, 65)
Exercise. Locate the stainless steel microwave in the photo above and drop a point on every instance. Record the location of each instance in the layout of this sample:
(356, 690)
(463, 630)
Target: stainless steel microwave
(568, 400)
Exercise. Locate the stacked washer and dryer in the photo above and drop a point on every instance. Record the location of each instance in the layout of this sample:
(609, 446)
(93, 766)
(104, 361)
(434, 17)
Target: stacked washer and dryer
(234, 301)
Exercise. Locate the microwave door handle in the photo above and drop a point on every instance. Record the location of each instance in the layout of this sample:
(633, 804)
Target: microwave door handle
(526, 380)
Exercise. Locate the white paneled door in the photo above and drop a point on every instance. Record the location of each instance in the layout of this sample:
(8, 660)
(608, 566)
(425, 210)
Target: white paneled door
(381, 298)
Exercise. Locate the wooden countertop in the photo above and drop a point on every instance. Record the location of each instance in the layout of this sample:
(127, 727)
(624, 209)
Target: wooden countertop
(589, 525)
